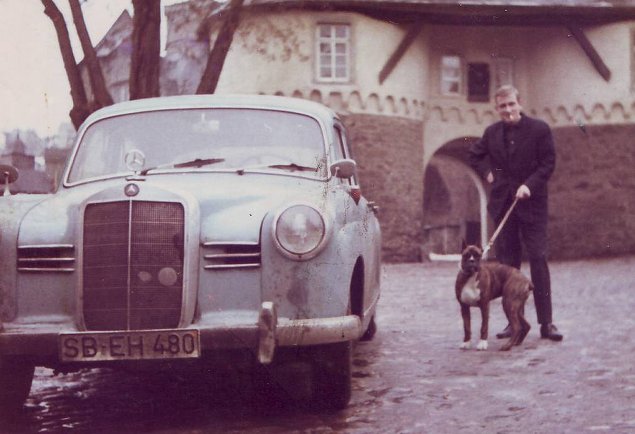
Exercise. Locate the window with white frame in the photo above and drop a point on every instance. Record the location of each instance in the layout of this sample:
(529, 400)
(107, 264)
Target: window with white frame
(333, 52)
(451, 75)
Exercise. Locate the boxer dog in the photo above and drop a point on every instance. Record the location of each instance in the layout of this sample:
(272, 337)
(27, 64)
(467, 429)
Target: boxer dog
(478, 283)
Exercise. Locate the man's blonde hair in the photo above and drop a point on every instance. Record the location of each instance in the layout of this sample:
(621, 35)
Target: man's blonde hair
(506, 90)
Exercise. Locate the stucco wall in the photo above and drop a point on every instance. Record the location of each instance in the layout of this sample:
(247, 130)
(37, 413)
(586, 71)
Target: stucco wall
(389, 154)
(275, 54)
(566, 88)
(592, 192)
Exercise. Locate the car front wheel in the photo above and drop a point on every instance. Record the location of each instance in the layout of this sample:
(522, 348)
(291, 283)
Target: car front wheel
(16, 376)
(331, 365)
(370, 332)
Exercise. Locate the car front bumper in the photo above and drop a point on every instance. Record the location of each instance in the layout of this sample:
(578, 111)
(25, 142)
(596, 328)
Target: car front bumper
(263, 336)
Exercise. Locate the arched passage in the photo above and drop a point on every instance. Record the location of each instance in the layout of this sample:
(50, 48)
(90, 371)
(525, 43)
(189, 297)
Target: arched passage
(454, 203)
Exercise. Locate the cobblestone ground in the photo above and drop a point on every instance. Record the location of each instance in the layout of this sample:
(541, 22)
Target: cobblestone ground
(411, 379)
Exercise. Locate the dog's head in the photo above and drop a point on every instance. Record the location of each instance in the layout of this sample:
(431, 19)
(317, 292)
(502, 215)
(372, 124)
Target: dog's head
(470, 257)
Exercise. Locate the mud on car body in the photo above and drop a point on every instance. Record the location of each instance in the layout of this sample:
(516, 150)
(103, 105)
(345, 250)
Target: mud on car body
(192, 226)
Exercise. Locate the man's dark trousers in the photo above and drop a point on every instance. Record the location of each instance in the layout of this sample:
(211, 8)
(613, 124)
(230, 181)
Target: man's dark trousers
(533, 233)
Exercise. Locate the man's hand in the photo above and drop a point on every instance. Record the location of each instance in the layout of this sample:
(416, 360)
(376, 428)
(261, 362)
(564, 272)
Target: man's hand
(490, 177)
(523, 192)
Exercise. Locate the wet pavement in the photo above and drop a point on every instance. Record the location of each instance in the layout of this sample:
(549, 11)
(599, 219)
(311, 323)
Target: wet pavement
(412, 378)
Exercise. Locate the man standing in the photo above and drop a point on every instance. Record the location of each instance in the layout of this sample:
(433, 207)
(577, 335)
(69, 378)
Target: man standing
(517, 157)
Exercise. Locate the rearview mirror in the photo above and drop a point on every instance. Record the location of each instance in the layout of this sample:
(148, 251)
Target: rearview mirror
(344, 168)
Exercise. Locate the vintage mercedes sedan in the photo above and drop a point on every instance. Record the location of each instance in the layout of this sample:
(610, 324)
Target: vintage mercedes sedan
(187, 227)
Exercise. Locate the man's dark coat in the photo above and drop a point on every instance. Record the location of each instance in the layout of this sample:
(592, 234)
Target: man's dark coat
(530, 160)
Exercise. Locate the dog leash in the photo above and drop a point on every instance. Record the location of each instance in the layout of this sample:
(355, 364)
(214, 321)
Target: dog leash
(500, 226)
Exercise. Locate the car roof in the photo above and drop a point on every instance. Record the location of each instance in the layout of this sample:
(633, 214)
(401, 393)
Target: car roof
(215, 101)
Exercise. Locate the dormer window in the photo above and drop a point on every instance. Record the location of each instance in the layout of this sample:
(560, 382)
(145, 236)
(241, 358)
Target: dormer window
(333, 52)
(478, 82)
(451, 76)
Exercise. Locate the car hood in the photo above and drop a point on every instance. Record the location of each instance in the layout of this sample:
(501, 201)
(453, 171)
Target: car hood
(229, 206)
(233, 207)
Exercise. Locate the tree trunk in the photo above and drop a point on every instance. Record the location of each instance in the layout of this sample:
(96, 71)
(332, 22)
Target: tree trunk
(146, 47)
(223, 42)
(95, 74)
(80, 110)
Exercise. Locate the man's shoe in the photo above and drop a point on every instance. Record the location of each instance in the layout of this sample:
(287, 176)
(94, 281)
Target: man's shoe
(506, 333)
(549, 331)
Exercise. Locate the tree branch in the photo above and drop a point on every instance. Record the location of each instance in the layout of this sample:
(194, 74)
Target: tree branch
(80, 110)
(223, 42)
(146, 47)
(95, 74)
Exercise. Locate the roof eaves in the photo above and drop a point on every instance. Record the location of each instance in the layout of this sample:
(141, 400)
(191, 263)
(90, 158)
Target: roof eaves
(499, 12)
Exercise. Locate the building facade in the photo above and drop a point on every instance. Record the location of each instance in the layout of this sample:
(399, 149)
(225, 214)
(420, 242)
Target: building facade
(414, 83)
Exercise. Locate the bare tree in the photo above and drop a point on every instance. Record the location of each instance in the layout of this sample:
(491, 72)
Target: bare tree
(145, 59)
(146, 48)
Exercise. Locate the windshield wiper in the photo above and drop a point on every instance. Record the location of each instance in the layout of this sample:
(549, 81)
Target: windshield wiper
(293, 167)
(197, 162)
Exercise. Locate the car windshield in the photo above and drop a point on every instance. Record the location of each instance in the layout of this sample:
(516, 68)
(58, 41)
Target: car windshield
(200, 139)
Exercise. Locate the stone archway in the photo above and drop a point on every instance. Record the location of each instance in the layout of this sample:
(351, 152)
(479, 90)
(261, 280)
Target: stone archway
(454, 203)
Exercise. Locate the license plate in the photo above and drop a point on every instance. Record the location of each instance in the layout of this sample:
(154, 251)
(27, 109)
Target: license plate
(129, 345)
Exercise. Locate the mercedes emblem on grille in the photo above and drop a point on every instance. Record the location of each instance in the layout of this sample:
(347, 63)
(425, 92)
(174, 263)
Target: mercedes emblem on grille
(131, 190)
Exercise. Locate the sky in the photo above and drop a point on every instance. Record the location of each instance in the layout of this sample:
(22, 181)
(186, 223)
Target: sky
(34, 90)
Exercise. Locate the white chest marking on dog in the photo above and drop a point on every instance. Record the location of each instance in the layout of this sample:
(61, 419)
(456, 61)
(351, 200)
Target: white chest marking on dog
(471, 293)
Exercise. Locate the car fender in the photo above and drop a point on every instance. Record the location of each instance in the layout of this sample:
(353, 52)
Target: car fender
(12, 211)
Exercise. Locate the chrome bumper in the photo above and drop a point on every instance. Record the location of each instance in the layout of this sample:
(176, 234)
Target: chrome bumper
(301, 332)
(263, 337)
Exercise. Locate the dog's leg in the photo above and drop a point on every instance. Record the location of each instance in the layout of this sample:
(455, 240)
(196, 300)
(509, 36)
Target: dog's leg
(482, 343)
(512, 313)
(525, 326)
(467, 328)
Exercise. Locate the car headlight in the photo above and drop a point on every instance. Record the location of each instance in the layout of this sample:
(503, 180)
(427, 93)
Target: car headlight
(300, 231)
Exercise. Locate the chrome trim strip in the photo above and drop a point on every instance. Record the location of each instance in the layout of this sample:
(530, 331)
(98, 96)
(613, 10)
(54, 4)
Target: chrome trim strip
(63, 270)
(27, 258)
(231, 255)
(230, 243)
(227, 266)
(50, 259)
(47, 246)
(216, 261)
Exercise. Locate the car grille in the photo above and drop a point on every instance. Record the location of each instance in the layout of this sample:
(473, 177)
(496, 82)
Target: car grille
(133, 265)
(47, 258)
(220, 256)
